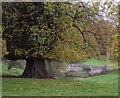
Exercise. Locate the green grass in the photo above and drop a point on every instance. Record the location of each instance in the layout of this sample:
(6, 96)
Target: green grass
(94, 61)
(102, 85)
(0, 69)
(13, 71)
(111, 64)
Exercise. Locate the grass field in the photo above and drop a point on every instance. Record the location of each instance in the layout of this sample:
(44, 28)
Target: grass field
(13, 71)
(94, 61)
(102, 85)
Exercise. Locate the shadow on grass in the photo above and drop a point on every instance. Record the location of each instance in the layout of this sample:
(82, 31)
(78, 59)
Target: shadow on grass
(9, 76)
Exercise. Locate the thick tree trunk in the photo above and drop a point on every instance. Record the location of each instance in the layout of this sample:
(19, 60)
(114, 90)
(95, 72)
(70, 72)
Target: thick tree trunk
(35, 68)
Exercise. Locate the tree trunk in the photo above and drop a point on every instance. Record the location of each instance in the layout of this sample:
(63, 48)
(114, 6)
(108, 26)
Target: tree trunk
(35, 68)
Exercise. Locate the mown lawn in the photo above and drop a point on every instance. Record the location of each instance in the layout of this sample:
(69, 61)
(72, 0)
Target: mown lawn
(14, 71)
(94, 61)
(102, 85)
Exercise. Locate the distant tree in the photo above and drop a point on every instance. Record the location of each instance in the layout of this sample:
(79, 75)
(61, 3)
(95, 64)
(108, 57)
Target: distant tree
(106, 28)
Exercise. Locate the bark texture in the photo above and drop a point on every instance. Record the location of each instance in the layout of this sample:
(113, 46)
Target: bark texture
(36, 68)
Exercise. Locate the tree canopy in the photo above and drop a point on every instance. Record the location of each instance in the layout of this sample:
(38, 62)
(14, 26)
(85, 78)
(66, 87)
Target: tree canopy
(38, 29)
(32, 29)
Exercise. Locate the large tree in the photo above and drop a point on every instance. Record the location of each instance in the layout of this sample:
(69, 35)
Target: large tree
(39, 31)
(31, 31)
